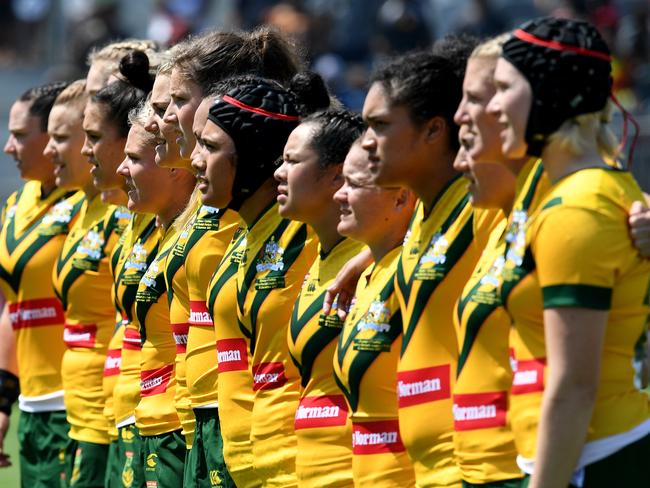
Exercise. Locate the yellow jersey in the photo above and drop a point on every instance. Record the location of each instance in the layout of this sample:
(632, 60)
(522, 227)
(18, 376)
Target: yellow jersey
(178, 298)
(437, 258)
(322, 423)
(156, 414)
(484, 442)
(551, 262)
(33, 232)
(235, 385)
(131, 258)
(112, 365)
(278, 255)
(210, 234)
(82, 281)
(365, 369)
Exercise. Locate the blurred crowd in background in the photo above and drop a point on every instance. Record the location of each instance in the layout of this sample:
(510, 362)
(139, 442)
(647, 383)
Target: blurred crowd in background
(342, 39)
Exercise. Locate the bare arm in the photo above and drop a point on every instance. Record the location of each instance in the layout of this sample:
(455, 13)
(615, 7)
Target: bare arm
(574, 343)
(639, 222)
(345, 284)
(8, 363)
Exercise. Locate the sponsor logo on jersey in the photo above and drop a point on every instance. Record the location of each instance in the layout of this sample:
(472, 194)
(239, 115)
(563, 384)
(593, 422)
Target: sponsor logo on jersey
(113, 362)
(80, 335)
(199, 314)
(528, 376)
(232, 355)
(36, 313)
(423, 385)
(271, 259)
(480, 410)
(321, 411)
(215, 479)
(180, 331)
(267, 376)
(132, 340)
(155, 381)
(376, 437)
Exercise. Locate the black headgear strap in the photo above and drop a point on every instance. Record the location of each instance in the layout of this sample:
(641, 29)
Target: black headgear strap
(568, 66)
(259, 118)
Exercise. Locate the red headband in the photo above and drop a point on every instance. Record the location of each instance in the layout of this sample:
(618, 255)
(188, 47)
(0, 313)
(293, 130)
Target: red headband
(261, 111)
(558, 46)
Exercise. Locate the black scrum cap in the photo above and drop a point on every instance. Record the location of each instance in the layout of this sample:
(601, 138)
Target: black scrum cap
(567, 64)
(258, 116)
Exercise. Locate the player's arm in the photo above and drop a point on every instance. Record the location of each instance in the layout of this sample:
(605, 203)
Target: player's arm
(9, 387)
(344, 286)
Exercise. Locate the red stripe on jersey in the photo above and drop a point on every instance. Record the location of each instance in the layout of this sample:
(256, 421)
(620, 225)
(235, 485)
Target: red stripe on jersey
(36, 313)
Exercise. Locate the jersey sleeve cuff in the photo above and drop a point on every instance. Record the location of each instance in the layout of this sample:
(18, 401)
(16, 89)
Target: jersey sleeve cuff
(583, 296)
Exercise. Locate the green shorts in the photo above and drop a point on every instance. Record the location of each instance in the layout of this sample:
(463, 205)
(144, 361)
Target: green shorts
(164, 457)
(626, 467)
(111, 479)
(85, 464)
(42, 437)
(512, 483)
(205, 467)
(129, 465)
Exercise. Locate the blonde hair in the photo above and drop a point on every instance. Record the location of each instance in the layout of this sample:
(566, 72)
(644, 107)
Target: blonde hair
(576, 135)
(139, 116)
(117, 50)
(74, 94)
(491, 48)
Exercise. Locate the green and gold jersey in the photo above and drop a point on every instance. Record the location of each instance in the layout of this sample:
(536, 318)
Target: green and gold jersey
(112, 365)
(210, 234)
(33, 232)
(575, 251)
(156, 414)
(484, 442)
(322, 424)
(278, 255)
(438, 256)
(82, 281)
(133, 255)
(365, 368)
(235, 385)
(178, 299)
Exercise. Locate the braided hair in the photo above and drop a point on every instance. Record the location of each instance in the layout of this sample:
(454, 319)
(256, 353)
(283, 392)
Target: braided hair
(335, 130)
(42, 98)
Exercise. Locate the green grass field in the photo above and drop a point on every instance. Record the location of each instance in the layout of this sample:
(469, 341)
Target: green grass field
(10, 477)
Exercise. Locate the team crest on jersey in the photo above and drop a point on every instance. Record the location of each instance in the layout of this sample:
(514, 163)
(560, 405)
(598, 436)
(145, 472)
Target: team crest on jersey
(149, 278)
(11, 212)
(494, 275)
(179, 247)
(516, 239)
(431, 264)
(122, 217)
(135, 265)
(437, 251)
(271, 259)
(89, 251)
(377, 318)
(56, 220)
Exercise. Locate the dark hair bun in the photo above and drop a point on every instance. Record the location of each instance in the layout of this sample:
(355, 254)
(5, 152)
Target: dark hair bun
(134, 67)
(310, 92)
